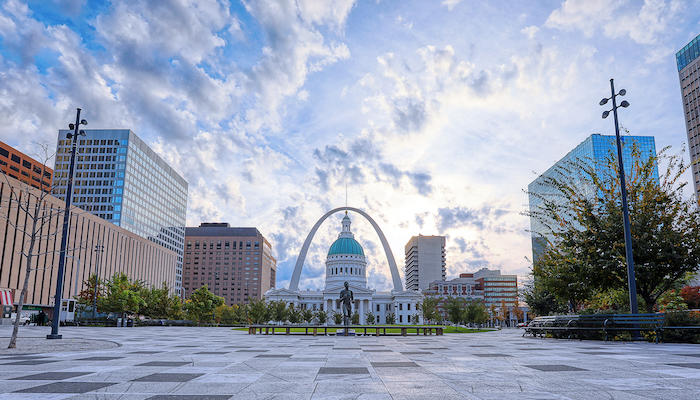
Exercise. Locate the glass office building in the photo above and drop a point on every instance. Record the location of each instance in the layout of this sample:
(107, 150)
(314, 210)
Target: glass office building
(595, 152)
(120, 179)
(688, 61)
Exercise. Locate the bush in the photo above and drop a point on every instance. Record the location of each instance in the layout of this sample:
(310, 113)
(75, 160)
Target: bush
(681, 318)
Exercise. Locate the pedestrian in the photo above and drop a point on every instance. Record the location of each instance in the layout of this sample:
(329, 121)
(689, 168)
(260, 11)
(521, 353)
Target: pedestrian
(41, 318)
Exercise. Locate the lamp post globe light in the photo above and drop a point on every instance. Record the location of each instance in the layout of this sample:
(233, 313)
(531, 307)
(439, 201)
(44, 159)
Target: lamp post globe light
(631, 282)
(56, 320)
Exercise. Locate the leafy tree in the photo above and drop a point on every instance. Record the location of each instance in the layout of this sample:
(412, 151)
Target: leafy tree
(258, 312)
(160, 303)
(293, 314)
(201, 305)
(541, 301)
(691, 295)
(582, 215)
(322, 317)
(86, 296)
(122, 296)
(337, 318)
(278, 311)
(229, 315)
(307, 315)
(475, 313)
(455, 309)
(355, 318)
(390, 319)
(429, 309)
(415, 319)
(369, 318)
(672, 301)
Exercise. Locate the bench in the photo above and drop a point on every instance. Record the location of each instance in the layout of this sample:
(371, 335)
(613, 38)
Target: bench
(575, 326)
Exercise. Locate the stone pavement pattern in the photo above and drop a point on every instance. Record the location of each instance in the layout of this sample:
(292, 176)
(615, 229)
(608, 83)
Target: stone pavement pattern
(219, 363)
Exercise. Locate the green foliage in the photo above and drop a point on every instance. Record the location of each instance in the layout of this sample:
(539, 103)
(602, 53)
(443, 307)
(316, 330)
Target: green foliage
(429, 309)
(122, 295)
(415, 318)
(541, 301)
(258, 312)
(682, 318)
(307, 315)
(86, 296)
(586, 253)
(160, 303)
(355, 318)
(671, 301)
(293, 314)
(369, 318)
(337, 318)
(229, 315)
(201, 305)
(390, 319)
(322, 317)
(278, 310)
(475, 312)
(455, 309)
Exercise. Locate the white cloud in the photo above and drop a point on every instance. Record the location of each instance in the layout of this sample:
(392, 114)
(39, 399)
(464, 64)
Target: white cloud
(530, 31)
(450, 4)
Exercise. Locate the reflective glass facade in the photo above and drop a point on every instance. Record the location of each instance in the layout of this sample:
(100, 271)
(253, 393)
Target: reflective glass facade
(688, 60)
(594, 151)
(120, 179)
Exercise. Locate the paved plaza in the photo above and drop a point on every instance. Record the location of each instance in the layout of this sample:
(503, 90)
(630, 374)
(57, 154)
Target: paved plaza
(219, 363)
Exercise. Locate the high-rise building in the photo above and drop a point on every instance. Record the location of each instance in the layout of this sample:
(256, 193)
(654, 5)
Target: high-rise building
(235, 263)
(96, 246)
(688, 61)
(595, 151)
(122, 180)
(425, 261)
(24, 168)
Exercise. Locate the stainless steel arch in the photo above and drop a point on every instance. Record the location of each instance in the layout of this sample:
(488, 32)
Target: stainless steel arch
(294, 283)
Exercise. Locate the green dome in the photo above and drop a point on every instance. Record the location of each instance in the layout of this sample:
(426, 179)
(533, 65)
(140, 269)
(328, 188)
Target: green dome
(346, 246)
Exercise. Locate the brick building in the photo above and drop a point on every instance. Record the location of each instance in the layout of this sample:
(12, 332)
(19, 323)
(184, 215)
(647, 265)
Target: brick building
(24, 168)
(235, 263)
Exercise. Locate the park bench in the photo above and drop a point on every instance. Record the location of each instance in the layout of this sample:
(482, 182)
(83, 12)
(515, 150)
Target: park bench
(575, 326)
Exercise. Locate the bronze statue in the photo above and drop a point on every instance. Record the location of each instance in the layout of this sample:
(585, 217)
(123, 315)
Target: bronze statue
(346, 298)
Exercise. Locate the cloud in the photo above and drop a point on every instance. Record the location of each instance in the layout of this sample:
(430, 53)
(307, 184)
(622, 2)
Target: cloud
(480, 219)
(450, 4)
(617, 18)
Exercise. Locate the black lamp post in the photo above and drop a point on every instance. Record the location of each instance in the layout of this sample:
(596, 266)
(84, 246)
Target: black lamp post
(631, 283)
(66, 225)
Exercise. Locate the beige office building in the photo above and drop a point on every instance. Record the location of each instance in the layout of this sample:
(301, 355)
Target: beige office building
(235, 263)
(123, 251)
(425, 261)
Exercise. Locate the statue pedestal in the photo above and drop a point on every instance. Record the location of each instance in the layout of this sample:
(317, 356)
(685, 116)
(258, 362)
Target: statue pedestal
(342, 332)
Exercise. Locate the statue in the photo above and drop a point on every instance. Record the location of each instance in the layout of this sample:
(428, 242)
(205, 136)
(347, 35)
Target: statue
(346, 298)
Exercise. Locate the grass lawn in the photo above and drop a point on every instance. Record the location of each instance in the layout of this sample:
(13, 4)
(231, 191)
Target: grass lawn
(447, 329)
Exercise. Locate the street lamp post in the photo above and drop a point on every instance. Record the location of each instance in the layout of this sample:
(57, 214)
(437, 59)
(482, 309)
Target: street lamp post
(66, 225)
(631, 283)
(98, 248)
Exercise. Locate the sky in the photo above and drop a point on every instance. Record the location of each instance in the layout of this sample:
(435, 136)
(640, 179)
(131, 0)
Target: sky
(435, 115)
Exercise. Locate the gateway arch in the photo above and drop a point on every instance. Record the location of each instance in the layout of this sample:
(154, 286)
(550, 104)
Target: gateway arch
(294, 283)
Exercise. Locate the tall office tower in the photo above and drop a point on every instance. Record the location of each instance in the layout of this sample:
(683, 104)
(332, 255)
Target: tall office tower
(234, 263)
(425, 261)
(120, 179)
(594, 151)
(24, 168)
(688, 61)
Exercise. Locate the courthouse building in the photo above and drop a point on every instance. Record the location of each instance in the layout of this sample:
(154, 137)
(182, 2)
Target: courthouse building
(346, 261)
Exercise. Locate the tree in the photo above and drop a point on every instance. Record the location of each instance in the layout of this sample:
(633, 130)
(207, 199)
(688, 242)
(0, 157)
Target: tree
(337, 318)
(672, 301)
(160, 302)
(228, 315)
(258, 312)
(278, 311)
(541, 301)
(691, 295)
(86, 296)
(355, 318)
(455, 309)
(36, 215)
(293, 314)
(585, 249)
(475, 313)
(322, 317)
(390, 319)
(369, 318)
(201, 305)
(122, 296)
(429, 309)
(307, 315)
(503, 312)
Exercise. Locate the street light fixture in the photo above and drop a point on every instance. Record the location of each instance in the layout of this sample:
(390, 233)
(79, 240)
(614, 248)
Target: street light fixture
(631, 283)
(66, 226)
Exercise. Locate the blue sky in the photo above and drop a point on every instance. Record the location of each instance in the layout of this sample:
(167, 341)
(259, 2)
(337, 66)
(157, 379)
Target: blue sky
(436, 114)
